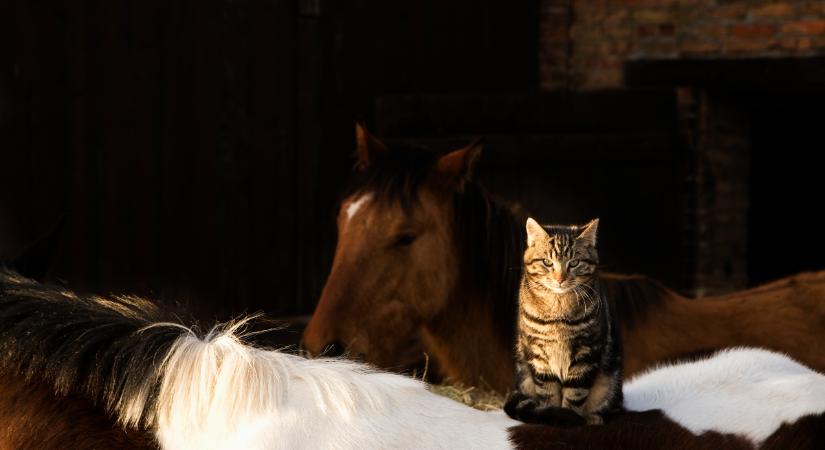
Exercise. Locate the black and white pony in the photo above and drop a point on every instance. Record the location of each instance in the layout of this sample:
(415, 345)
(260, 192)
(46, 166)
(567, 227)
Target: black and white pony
(127, 358)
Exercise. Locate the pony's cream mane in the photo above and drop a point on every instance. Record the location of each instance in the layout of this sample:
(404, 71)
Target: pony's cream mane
(220, 379)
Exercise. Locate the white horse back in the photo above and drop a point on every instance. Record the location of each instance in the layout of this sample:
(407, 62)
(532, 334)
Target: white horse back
(746, 391)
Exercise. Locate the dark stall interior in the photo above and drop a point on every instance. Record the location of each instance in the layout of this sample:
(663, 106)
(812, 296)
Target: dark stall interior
(195, 151)
(786, 185)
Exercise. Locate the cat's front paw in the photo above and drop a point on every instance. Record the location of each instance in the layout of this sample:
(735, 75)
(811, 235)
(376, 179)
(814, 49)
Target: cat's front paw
(518, 406)
(557, 416)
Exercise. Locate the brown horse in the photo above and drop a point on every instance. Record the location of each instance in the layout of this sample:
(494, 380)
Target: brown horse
(424, 252)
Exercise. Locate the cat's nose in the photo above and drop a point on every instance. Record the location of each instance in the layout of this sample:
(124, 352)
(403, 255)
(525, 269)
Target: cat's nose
(560, 278)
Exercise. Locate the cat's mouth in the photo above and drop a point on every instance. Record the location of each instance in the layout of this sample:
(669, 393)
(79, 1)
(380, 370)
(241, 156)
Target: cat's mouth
(559, 289)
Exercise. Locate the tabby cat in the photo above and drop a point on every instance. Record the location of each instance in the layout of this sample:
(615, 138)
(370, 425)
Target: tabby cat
(568, 352)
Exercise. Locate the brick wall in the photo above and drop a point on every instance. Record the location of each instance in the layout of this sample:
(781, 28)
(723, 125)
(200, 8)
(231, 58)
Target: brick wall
(584, 43)
(555, 19)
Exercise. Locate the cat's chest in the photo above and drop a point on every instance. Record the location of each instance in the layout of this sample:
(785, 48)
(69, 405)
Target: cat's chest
(554, 349)
(549, 356)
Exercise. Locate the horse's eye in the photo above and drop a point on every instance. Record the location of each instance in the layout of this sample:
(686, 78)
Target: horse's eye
(547, 262)
(573, 263)
(404, 239)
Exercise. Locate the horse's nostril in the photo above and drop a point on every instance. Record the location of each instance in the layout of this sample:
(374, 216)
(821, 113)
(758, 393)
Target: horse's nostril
(334, 349)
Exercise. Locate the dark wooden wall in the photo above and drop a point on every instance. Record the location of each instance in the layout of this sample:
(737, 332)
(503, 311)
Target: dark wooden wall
(165, 133)
(195, 148)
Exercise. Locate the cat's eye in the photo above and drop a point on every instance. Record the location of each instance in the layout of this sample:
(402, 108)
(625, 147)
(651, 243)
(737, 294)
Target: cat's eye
(404, 239)
(573, 263)
(547, 262)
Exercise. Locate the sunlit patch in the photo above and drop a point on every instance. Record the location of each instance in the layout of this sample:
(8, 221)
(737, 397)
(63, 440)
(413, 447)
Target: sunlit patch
(356, 205)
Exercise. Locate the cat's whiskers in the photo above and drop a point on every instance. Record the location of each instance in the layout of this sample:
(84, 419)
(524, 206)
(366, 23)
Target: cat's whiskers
(579, 294)
(593, 292)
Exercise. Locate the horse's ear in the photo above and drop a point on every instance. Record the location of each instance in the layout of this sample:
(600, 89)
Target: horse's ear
(589, 232)
(368, 147)
(534, 231)
(456, 167)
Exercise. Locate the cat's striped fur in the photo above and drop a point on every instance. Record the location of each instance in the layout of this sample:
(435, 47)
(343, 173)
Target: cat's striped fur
(568, 352)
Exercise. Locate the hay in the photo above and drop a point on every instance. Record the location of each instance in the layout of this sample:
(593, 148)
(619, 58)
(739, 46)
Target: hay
(484, 399)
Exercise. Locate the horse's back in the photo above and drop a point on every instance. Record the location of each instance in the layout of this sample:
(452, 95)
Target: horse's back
(659, 325)
(805, 291)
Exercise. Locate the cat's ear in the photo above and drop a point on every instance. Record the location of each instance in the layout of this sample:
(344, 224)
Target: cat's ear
(588, 234)
(534, 232)
(368, 147)
(455, 169)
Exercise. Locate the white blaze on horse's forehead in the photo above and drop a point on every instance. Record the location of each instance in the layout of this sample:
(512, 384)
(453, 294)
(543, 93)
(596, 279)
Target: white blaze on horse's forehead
(356, 205)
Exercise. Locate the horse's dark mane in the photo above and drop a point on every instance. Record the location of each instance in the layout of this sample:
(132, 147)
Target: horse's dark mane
(99, 348)
(490, 238)
(396, 175)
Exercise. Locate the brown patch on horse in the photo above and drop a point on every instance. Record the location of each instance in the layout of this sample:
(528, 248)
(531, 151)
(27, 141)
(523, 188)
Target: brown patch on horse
(628, 431)
(807, 433)
(653, 430)
(33, 417)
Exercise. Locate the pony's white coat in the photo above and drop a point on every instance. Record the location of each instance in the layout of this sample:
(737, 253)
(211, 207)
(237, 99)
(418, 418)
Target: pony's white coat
(221, 394)
(218, 393)
(746, 391)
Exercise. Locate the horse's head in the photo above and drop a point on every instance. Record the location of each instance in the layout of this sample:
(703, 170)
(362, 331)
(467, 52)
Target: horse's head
(395, 260)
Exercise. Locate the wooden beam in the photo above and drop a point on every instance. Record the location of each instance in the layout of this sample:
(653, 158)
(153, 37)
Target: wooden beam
(744, 74)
